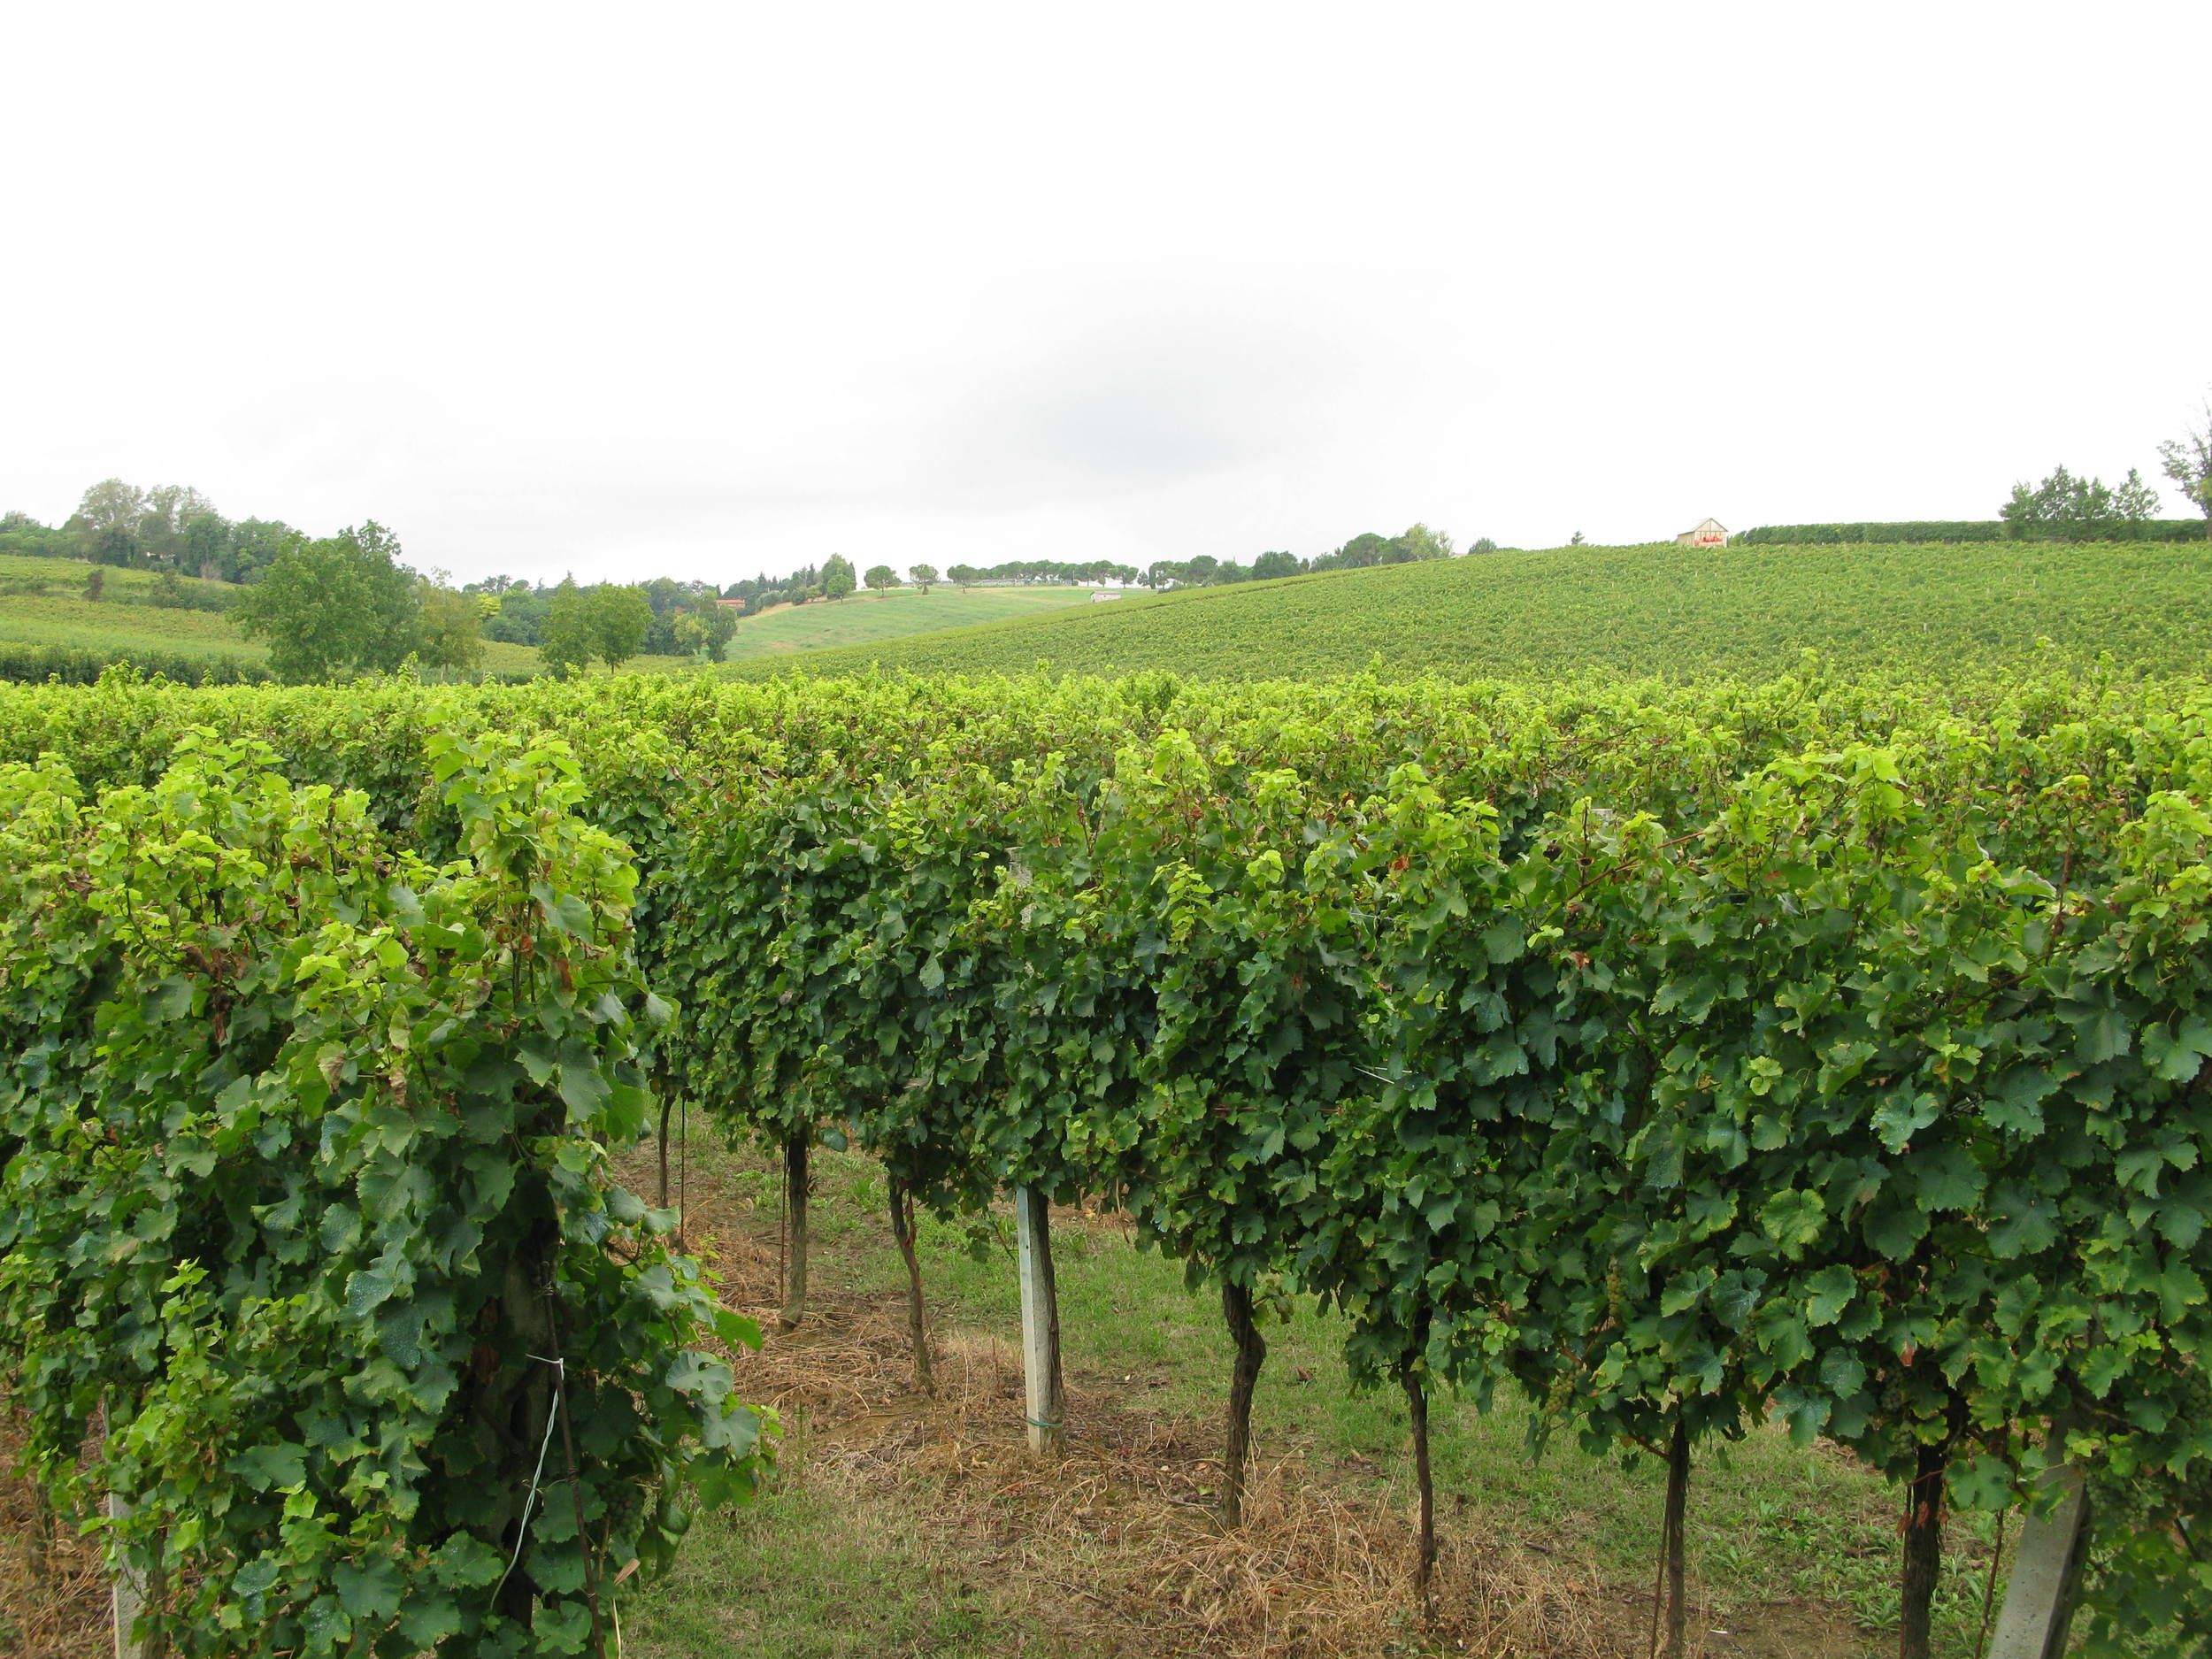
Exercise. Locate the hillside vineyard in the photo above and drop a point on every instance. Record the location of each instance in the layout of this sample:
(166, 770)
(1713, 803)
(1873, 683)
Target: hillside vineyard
(1676, 1056)
(1913, 613)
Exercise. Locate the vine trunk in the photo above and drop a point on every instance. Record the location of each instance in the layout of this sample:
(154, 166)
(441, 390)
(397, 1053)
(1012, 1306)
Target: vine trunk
(1236, 1307)
(795, 1176)
(1923, 1553)
(917, 1325)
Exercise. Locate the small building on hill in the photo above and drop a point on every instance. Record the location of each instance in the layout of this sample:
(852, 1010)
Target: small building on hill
(1708, 532)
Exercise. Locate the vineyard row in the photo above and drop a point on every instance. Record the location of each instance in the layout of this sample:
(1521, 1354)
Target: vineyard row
(1678, 1058)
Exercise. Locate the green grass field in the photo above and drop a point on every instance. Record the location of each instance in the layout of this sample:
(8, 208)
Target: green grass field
(903, 1526)
(43, 603)
(111, 624)
(867, 618)
(1921, 609)
(114, 625)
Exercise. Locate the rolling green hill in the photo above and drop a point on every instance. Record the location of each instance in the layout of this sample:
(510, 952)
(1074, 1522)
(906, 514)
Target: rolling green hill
(43, 603)
(867, 618)
(1917, 609)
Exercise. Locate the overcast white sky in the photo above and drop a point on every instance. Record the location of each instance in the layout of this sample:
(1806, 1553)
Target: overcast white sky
(709, 290)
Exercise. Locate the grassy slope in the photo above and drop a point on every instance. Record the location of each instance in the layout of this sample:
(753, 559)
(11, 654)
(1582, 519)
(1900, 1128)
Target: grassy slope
(111, 624)
(870, 617)
(1648, 610)
(121, 620)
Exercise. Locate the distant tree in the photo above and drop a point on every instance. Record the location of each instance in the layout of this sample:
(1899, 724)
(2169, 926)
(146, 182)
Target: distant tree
(923, 576)
(564, 637)
(11, 522)
(449, 636)
(2063, 507)
(2136, 503)
(2058, 510)
(1270, 565)
(516, 611)
(880, 577)
(168, 508)
(2187, 460)
(96, 583)
(617, 618)
(112, 504)
(1482, 544)
(170, 505)
(1421, 542)
(1363, 550)
(204, 537)
(963, 575)
(691, 633)
(254, 545)
(342, 603)
(109, 523)
(721, 626)
(1575, 540)
(837, 576)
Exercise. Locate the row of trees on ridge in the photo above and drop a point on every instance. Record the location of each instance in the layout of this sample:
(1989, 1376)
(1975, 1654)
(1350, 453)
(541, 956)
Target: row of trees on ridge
(2064, 507)
(168, 528)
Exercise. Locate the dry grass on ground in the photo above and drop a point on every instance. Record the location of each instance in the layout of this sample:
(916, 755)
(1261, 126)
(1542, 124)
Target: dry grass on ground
(53, 1590)
(1114, 1547)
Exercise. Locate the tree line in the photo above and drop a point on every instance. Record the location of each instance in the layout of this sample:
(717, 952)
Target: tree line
(662, 618)
(347, 605)
(170, 527)
(833, 580)
(325, 606)
(1416, 542)
(2064, 507)
(175, 529)
(331, 606)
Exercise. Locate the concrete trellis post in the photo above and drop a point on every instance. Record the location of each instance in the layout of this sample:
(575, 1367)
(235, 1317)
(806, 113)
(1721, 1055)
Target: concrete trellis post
(2040, 1590)
(127, 1596)
(1040, 1319)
